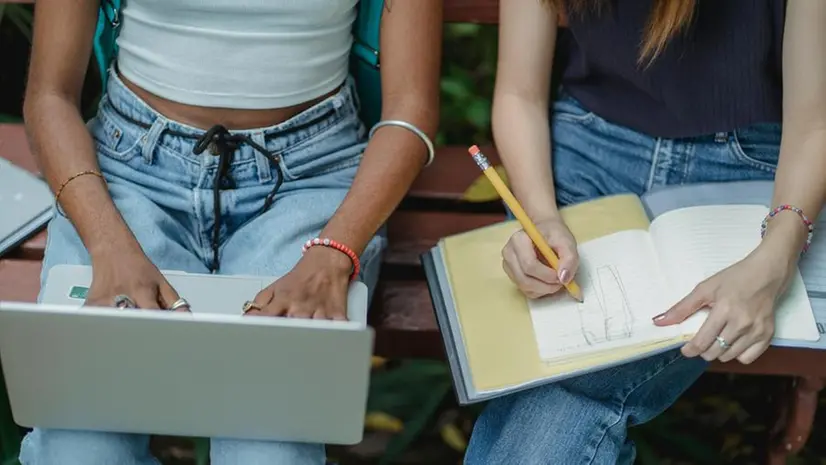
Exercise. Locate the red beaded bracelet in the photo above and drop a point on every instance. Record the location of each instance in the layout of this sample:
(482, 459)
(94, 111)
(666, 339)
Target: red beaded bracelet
(338, 246)
(806, 222)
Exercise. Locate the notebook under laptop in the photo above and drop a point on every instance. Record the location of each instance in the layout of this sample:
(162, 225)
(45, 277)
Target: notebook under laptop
(25, 205)
(211, 373)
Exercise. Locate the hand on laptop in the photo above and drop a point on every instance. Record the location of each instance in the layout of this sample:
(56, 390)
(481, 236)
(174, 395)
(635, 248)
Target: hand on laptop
(131, 280)
(316, 288)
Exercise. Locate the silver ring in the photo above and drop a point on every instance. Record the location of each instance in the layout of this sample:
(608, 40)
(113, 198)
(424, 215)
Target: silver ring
(124, 301)
(178, 304)
(250, 306)
(725, 345)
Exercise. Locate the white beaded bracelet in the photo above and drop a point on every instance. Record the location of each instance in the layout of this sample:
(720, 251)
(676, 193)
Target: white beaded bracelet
(431, 152)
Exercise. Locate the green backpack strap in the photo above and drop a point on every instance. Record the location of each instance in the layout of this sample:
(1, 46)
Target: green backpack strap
(364, 59)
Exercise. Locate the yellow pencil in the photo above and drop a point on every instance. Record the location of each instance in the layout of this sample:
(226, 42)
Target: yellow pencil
(573, 288)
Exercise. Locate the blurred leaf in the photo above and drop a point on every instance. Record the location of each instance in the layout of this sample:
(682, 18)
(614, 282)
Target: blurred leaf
(686, 446)
(20, 16)
(453, 87)
(731, 442)
(401, 390)
(416, 425)
(201, 450)
(645, 453)
(478, 113)
(453, 437)
(380, 421)
(459, 30)
(9, 432)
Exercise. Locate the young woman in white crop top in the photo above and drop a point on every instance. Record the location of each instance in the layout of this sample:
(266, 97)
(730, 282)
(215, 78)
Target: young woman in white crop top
(227, 141)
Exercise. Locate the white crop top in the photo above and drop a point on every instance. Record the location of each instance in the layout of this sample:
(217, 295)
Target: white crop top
(245, 54)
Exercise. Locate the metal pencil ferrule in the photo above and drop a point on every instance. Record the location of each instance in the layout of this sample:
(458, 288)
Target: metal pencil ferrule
(481, 160)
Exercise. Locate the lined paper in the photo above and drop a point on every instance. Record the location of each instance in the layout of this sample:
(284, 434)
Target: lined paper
(695, 243)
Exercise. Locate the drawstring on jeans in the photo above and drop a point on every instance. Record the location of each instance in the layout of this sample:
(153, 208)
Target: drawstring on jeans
(225, 144)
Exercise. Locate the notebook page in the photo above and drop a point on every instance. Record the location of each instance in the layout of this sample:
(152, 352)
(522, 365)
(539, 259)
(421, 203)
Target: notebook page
(620, 279)
(694, 243)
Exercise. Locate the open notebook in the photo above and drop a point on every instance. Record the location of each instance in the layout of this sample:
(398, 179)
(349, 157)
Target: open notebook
(639, 256)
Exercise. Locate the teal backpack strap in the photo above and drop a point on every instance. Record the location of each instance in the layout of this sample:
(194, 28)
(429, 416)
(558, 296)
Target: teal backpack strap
(105, 45)
(365, 60)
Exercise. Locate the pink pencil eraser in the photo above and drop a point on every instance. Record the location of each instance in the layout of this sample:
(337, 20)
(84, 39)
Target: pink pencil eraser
(473, 150)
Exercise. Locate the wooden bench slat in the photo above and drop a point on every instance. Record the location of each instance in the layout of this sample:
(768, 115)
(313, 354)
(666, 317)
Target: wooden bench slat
(14, 146)
(471, 11)
(412, 233)
(19, 280)
(404, 321)
(451, 173)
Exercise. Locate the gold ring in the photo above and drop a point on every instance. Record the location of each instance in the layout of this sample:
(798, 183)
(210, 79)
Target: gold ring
(249, 306)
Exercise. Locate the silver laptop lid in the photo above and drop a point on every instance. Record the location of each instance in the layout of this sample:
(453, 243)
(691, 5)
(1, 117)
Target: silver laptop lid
(25, 204)
(204, 375)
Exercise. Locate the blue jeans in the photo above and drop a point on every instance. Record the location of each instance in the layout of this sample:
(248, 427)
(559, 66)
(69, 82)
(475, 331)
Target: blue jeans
(164, 193)
(584, 420)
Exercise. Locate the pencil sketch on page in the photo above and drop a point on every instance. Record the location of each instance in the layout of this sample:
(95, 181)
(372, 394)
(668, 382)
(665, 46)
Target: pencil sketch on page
(607, 315)
(619, 280)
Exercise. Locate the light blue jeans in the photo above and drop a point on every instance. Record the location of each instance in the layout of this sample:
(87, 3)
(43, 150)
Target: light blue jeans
(165, 193)
(584, 420)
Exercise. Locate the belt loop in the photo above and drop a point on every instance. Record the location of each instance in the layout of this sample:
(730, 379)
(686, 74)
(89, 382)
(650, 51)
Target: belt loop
(150, 139)
(261, 162)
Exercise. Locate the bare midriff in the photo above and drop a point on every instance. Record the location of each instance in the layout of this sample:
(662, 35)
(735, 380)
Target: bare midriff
(231, 118)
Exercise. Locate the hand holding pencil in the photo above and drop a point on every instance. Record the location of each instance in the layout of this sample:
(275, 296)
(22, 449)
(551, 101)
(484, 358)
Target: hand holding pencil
(532, 277)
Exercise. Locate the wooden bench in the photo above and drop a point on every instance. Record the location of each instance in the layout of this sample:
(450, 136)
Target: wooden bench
(402, 313)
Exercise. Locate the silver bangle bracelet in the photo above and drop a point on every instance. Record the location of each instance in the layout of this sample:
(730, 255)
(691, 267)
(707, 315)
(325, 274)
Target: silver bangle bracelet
(431, 152)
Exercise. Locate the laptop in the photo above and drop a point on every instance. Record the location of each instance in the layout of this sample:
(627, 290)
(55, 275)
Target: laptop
(209, 373)
(25, 205)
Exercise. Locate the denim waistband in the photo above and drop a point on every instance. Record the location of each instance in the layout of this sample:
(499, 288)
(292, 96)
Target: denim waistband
(315, 119)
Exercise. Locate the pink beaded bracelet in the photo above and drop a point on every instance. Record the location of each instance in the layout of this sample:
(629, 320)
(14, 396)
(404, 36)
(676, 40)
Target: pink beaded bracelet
(806, 221)
(338, 246)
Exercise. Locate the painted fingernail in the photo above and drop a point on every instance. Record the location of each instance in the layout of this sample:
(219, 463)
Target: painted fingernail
(563, 276)
(659, 317)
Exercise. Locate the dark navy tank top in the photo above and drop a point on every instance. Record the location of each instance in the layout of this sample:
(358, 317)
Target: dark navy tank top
(721, 73)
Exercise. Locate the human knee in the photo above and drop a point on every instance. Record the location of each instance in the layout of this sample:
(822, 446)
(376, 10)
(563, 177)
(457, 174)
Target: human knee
(62, 447)
(232, 452)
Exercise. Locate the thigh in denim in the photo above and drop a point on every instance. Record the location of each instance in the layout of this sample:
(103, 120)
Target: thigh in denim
(318, 172)
(593, 157)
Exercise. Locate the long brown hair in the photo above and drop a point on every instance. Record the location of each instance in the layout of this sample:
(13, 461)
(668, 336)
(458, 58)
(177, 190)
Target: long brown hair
(668, 17)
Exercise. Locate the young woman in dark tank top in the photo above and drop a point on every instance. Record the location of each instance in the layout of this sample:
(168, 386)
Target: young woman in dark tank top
(653, 93)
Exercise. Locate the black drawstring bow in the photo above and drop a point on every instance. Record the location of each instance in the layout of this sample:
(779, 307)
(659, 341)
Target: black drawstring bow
(224, 144)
